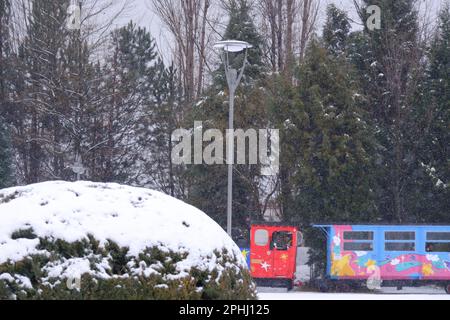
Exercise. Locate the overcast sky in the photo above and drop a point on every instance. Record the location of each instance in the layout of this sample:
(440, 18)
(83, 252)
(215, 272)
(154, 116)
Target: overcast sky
(140, 12)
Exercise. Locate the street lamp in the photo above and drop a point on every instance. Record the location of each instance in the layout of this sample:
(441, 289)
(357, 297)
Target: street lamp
(233, 78)
(78, 167)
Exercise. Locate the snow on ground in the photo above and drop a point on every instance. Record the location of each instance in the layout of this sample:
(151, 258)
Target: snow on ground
(303, 271)
(425, 293)
(131, 217)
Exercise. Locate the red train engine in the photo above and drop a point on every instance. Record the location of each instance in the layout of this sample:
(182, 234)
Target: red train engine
(273, 254)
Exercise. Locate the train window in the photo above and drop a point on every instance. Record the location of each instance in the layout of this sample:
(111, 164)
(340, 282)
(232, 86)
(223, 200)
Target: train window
(400, 235)
(438, 247)
(358, 235)
(400, 246)
(281, 241)
(440, 236)
(261, 237)
(358, 246)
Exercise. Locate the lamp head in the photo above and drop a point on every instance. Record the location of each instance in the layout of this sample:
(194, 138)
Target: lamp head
(232, 45)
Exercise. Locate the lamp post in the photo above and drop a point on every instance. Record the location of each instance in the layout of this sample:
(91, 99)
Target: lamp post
(233, 78)
(78, 167)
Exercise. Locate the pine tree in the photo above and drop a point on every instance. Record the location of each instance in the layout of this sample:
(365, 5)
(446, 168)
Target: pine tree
(241, 26)
(327, 147)
(5, 13)
(329, 144)
(162, 118)
(439, 76)
(439, 85)
(44, 93)
(285, 105)
(5, 89)
(5, 157)
(389, 65)
(429, 192)
(127, 98)
(336, 30)
(7, 61)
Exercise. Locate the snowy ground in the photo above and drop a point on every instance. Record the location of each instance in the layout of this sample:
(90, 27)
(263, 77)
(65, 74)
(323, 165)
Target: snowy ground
(426, 293)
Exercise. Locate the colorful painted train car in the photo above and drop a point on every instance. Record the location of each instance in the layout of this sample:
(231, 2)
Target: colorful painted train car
(408, 253)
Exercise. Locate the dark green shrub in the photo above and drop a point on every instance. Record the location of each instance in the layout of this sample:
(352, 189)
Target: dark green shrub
(8, 198)
(24, 234)
(122, 280)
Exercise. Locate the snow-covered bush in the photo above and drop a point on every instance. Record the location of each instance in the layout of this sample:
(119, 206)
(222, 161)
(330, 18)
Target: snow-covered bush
(84, 240)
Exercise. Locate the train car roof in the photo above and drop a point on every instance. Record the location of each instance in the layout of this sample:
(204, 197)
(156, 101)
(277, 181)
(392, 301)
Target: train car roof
(274, 224)
(327, 225)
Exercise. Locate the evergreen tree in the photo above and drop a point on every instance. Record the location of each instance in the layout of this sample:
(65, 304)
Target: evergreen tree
(241, 26)
(327, 144)
(7, 62)
(161, 119)
(429, 190)
(283, 106)
(439, 81)
(389, 65)
(6, 105)
(5, 12)
(326, 147)
(5, 157)
(127, 98)
(336, 30)
(44, 93)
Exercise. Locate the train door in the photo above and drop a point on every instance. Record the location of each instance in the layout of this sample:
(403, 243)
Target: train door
(282, 246)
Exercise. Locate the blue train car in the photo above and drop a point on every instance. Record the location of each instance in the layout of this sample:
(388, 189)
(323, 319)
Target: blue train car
(389, 253)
